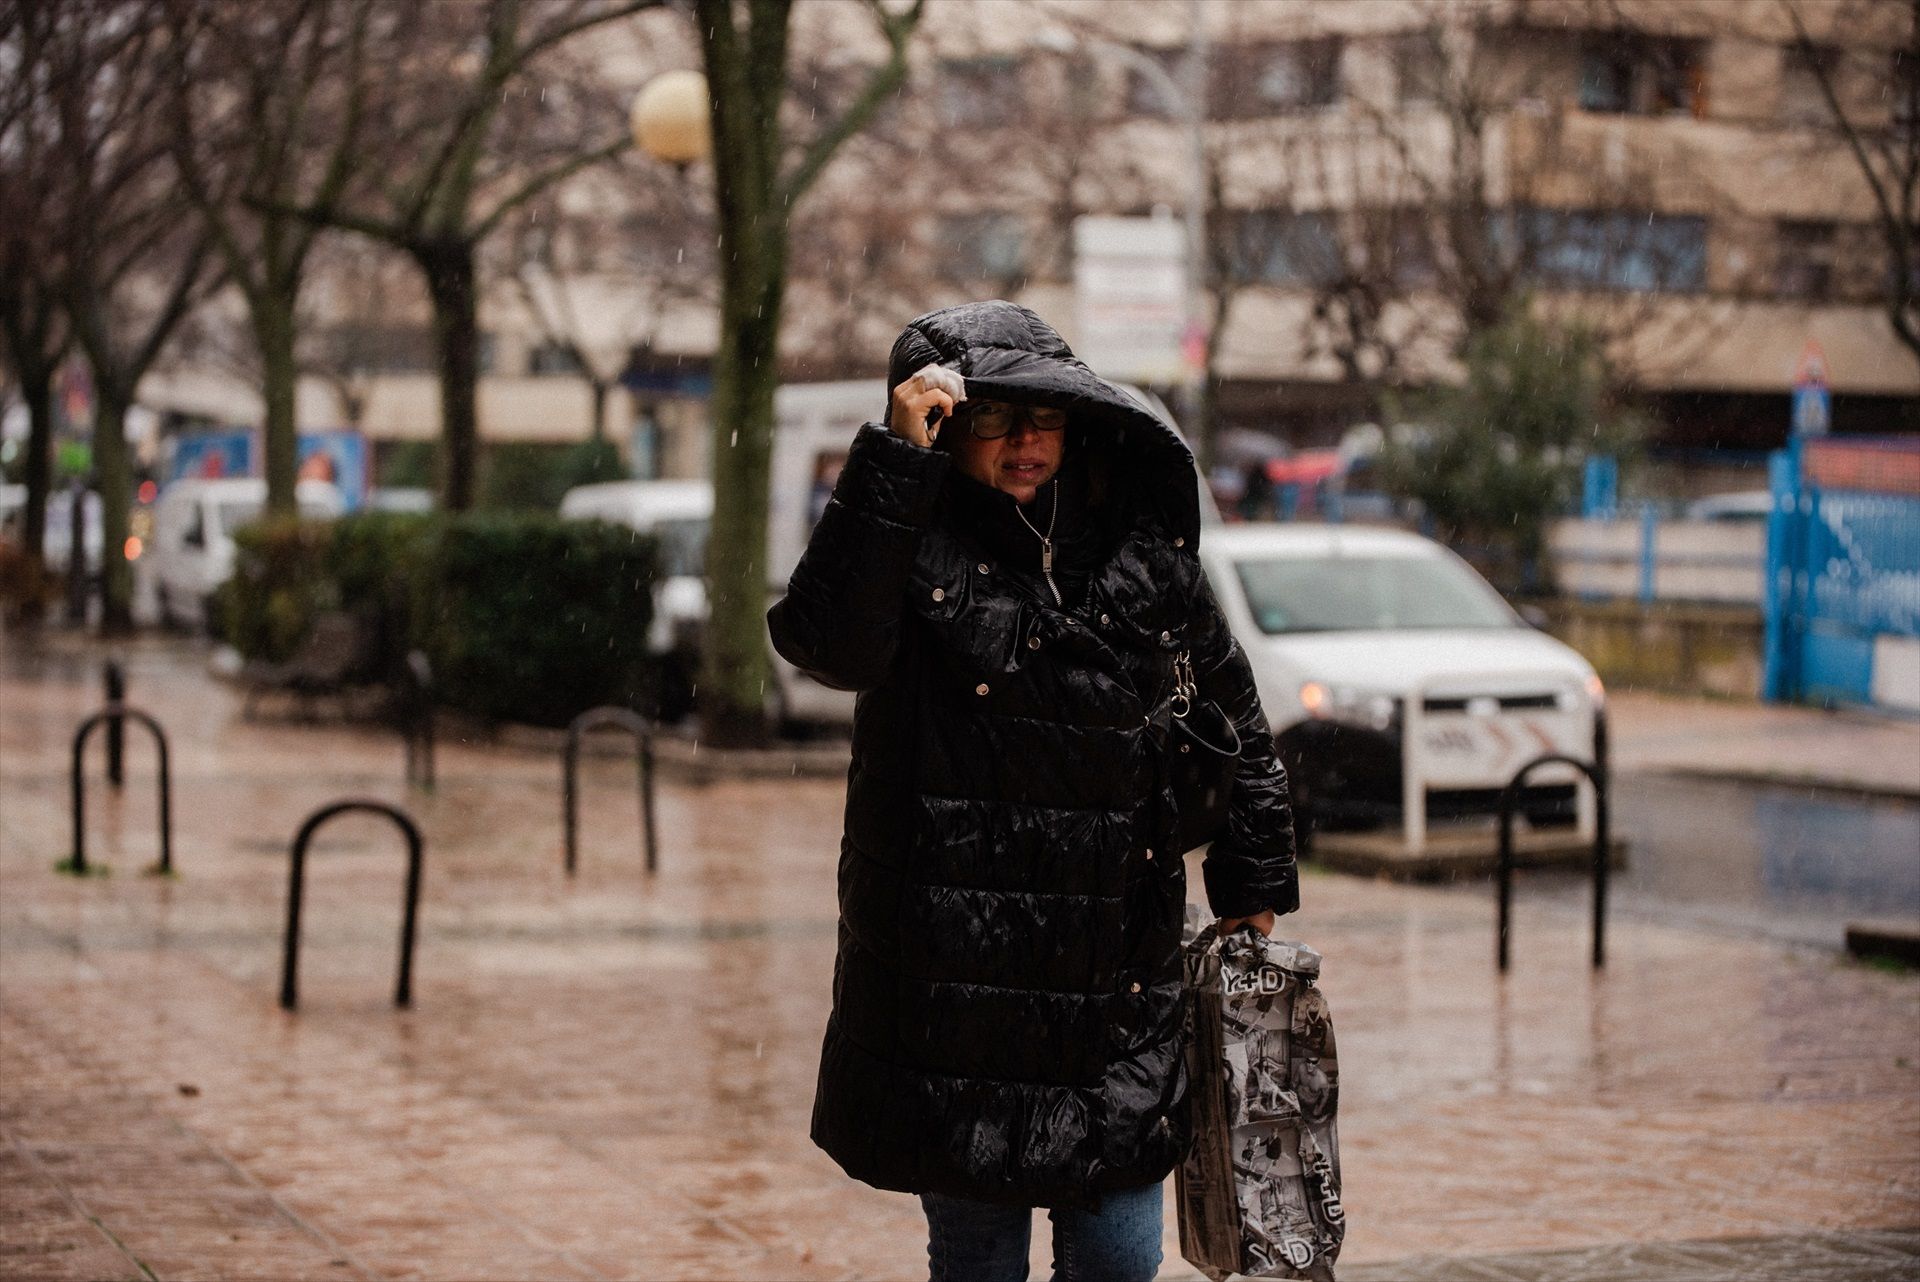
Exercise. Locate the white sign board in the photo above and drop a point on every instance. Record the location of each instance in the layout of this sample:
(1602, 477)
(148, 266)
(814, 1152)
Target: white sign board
(1130, 297)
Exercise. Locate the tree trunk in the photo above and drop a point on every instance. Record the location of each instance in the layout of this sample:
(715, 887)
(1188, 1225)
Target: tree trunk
(36, 389)
(600, 390)
(733, 683)
(448, 266)
(273, 331)
(114, 477)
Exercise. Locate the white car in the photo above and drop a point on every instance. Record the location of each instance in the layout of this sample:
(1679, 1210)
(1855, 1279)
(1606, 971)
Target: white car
(1401, 688)
(193, 550)
(678, 514)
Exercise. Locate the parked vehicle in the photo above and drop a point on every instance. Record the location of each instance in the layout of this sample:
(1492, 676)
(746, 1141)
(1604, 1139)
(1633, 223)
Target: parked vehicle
(193, 525)
(1401, 688)
(678, 514)
(57, 544)
(1742, 505)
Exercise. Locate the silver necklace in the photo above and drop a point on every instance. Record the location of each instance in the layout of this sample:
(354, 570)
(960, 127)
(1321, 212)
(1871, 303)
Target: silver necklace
(1046, 541)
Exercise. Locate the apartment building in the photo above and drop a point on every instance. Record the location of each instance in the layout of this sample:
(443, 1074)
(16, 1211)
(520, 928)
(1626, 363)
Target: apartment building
(1375, 175)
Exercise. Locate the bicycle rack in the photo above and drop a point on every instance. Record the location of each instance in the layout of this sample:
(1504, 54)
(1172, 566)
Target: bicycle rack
(592, 719)
(1597, 773)
(116, 682)
(289, 967)
(112, 713)
(416, 720)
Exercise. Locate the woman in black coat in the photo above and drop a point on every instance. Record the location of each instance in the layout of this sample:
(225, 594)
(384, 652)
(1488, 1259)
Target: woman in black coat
(1008, 591)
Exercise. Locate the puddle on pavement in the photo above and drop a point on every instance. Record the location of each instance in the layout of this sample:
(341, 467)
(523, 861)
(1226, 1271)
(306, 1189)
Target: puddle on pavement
(1791, 862)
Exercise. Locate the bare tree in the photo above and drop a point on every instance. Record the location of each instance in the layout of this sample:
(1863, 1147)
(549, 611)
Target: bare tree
(757, 182)
(595, 277)
(490, 124)
(267, 110)
(132, 268)
(33, 329)
(1880, 131)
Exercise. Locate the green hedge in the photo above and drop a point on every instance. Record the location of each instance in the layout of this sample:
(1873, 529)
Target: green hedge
(524, 618)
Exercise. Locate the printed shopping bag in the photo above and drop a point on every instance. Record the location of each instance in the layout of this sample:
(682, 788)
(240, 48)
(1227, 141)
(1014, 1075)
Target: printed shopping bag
(1259, 1191)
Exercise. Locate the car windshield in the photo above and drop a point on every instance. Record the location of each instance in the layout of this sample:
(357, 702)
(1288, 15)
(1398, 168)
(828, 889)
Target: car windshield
(1363, 594)
(683, 547)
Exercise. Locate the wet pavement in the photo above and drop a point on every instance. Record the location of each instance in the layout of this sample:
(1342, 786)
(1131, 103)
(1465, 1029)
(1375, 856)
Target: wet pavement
(611, 1077)
(1777, 861)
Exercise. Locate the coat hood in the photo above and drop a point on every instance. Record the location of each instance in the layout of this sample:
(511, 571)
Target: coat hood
(1006, 352)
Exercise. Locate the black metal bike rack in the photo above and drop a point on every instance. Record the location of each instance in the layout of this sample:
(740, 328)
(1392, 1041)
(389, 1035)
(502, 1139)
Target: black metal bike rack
(592, 719)
(116, 682)
(1596, 772)
(289, 966)
(416, 719)
(119, 712)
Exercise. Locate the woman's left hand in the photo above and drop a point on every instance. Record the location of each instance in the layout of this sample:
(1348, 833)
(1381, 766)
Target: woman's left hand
(1262, 922)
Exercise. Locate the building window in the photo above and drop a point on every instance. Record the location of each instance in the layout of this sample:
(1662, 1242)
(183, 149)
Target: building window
(1283, 247)
(1616, 249)
(979, 93)
(984, 246)
(1272, 79)
(551, 357)
(1803, 69)
(1419, 67)
(1643, 76)
(1803, 261)
(1144, 97)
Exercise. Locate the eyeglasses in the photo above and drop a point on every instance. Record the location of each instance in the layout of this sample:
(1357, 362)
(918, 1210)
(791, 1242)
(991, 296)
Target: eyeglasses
(991, 420)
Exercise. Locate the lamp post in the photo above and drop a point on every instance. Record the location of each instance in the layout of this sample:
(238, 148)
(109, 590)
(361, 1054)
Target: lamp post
(1187, 96)
(670, 122)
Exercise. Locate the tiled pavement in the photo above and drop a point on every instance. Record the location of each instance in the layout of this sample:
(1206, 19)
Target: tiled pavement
(611, 1078)
(1891, 1255)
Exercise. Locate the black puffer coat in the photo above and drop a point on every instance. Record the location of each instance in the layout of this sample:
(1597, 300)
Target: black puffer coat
(1006, 1016)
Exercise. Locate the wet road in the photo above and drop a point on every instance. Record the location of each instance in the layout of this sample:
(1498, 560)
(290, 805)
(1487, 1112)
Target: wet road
(1784, 863)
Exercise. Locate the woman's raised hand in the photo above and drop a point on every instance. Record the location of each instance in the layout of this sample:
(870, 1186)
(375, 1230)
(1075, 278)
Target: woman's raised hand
(932, 386)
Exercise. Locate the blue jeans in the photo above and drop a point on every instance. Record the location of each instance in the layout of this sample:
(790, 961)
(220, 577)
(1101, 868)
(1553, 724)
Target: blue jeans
(980, 1242)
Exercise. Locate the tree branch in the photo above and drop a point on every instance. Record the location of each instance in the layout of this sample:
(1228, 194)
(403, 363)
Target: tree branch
(897, 28)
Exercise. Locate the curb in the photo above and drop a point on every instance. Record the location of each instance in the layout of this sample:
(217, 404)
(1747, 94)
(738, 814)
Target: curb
(1858, 788)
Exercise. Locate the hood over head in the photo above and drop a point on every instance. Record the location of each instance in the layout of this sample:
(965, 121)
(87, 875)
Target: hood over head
(1007, 353)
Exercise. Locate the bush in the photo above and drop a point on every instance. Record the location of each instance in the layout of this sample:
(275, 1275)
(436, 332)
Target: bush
(280, 581)
(536, 619)
(524, 618)
(1498, 457)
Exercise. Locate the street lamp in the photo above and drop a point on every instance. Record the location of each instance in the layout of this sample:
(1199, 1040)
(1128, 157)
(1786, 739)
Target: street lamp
(670, 121)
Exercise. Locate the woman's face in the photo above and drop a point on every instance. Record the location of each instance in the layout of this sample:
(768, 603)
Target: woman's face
(1018, 463)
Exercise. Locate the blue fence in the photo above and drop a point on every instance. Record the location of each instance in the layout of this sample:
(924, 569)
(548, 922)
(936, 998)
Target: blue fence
(1843, 572)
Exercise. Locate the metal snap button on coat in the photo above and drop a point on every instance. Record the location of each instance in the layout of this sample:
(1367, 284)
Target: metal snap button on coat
(1166, 636)
(1149, 852)
(1033, 643)
(1179, 543)
(939, 594)
(1104, 620)
(981, 688)
(1134, 987)
(982, 567)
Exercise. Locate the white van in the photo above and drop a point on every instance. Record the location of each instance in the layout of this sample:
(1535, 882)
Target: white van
(678, 514)
(193, 551)
(1400, 686)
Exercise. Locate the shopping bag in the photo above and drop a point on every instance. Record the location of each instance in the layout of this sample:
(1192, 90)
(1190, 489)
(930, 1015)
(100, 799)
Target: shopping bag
(1259, 1191)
